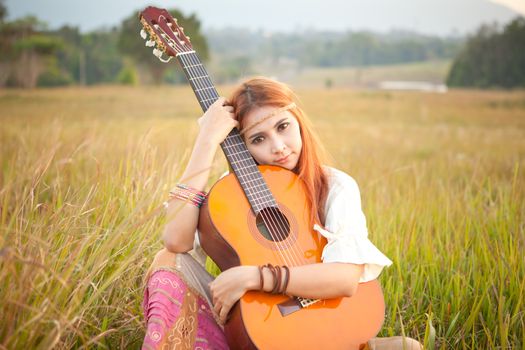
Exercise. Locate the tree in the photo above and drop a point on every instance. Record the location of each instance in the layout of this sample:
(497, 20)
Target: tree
(492, 58)
(132, 45)
(3, 11)
(25, 51)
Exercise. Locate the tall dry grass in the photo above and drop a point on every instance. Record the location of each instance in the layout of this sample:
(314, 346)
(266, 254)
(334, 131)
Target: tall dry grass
(84, 173)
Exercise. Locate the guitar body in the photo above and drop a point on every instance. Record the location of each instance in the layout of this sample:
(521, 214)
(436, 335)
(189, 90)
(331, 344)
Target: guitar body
(229, 234)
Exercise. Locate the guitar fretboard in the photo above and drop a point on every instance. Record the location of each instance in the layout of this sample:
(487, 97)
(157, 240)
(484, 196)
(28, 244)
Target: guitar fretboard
(233, 146)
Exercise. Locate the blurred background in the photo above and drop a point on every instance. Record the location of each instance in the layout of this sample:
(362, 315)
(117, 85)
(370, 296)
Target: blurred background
(408, 44)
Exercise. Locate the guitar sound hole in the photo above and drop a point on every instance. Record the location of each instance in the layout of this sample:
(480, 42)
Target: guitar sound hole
(272, 224)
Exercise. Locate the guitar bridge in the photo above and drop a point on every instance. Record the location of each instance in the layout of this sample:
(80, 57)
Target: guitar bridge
(295, 304)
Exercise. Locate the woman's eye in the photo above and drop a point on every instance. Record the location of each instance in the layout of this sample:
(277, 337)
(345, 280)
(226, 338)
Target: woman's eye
(257, 140)
(283, 126)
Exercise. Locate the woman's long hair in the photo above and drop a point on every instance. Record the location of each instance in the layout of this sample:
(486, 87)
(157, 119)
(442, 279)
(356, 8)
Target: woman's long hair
(260, 92)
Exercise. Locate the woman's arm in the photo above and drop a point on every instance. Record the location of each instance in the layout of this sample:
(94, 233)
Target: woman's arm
(317, 281)
(320, 281)
(183, 217)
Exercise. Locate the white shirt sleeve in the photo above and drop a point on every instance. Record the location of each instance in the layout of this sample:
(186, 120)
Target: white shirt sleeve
(345, 229)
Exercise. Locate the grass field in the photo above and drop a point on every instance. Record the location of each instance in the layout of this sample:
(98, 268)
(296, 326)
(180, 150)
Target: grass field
(85, 170)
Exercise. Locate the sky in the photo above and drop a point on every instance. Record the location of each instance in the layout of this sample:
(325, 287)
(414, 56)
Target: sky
(435, 17)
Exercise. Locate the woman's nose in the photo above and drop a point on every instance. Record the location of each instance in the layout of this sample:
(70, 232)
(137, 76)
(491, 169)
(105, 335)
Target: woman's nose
(278, 146)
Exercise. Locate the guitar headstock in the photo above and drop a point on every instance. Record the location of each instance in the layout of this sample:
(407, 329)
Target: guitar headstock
(163, 33)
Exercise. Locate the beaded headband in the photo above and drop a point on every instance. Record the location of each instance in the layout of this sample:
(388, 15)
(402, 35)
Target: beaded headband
(273, 113)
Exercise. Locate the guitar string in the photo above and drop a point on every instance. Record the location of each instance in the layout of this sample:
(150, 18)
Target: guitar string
(210, 99)
(194, 62)
(189, 64)
(277, 227)
(182, 49)
(273, 222)
(269, 218)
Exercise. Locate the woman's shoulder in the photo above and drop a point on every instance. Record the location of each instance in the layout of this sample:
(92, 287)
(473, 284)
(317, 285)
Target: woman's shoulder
(339, 180)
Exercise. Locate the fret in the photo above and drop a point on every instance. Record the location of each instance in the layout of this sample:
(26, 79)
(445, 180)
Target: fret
(265, 199)
(246, 155)
(206, 88)
(254, 190)
(257, 188)
(184, 53)
(259, 201)
(242, 163)
(209, 99)
(249, 180)
(259, 179)
(235, 145)
(239, 154)
(200, 77)
(248, 174)
(258, 207)
(266, 194)
(200, 68)
(243, 160)
(192, 65)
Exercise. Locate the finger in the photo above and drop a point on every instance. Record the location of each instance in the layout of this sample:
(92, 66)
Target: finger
(228, 108)
(220, 101)
(217, 308)
(223, 314)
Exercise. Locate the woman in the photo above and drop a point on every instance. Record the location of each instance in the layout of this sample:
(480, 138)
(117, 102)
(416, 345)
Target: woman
(185, 306)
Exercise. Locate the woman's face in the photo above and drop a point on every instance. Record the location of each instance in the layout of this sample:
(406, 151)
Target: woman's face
(275, 140)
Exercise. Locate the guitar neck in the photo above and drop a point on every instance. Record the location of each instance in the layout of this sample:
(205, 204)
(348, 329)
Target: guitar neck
(199, 79)
(233, 146)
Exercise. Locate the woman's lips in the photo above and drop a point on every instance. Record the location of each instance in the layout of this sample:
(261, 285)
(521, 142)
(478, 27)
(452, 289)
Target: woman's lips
(282, 160)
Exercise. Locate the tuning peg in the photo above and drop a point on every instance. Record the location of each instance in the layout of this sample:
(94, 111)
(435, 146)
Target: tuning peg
(150, 43)
(157, 52)
(143, 34)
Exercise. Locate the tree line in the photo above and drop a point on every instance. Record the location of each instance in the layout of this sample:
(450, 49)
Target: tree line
(32, 55)
(334, 49)
(493, 57)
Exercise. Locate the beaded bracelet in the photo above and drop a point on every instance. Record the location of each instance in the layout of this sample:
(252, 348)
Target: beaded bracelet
(187, 194)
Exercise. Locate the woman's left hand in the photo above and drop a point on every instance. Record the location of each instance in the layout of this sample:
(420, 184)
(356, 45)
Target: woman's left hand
(230, 286)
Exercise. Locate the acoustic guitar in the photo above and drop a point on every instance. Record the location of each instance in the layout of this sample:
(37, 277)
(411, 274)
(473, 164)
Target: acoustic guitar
(258, 215)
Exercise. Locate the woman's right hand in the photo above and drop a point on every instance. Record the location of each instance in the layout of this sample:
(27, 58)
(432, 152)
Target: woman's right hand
(217, 122)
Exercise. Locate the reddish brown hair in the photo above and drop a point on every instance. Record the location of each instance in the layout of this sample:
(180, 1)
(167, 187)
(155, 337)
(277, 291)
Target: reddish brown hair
(261, 92)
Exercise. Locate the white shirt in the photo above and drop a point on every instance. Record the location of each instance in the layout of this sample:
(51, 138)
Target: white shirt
(345, 228)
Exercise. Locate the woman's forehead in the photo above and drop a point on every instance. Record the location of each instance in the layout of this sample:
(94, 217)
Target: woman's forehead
(263, 118)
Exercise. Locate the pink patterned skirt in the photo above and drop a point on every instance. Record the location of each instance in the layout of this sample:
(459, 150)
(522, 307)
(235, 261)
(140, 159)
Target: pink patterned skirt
(179, 314)
(178, 310)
